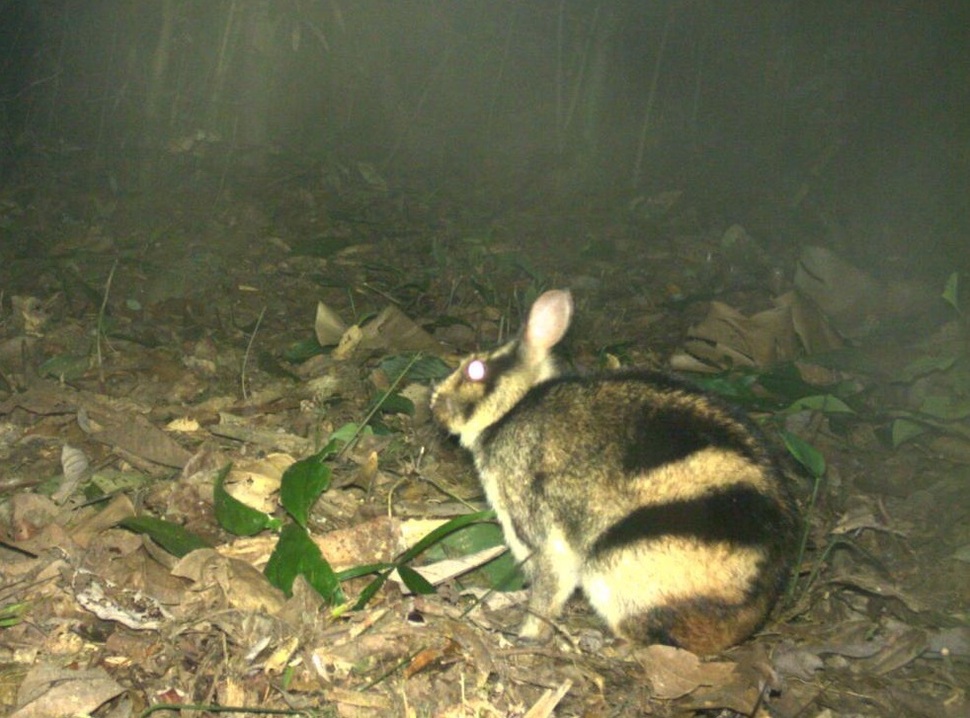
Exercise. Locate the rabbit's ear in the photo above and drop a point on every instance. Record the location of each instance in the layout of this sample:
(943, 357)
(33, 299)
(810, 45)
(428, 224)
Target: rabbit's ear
(548, 320)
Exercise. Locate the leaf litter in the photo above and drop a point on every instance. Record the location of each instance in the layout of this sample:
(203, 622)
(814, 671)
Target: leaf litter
(128, 579)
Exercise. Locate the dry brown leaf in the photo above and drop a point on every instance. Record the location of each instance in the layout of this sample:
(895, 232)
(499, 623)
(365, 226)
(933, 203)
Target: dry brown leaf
(854, 301)
(117, 510)
(50, 690)
(726, 338)
(135, 435)
(816, 374)
(328, 327)
(375, 540)
(256, 482)
(674, 672)
(796, 661)
(878, 587)
(810, 324)
(900, 649)
(852, 639)
(394, 331)
(30, 514)
(229, 582)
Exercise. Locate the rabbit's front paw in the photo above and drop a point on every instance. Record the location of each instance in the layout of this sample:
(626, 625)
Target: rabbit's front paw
(535, 629)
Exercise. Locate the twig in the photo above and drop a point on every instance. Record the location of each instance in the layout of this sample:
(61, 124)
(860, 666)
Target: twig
(249, 346)
(378, 404)
(651, 99)
(101, 311)
(580, 77)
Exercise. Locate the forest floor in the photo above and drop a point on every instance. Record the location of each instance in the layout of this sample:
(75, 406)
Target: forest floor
(150, 340)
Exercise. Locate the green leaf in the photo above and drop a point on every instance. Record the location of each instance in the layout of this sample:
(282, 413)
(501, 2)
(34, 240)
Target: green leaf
(439, 533)
(12, 613)
(806, 454)
(299, 352)
(170, 536)
(233, 515)
(951, 291)
(369, 590)
(734, 386)
(947, 408)
(826, 403)
(304, 481)
(347, 432)
(392, 404)
(363, 570)
(926, 365)
(500, 573)
(65, 366)
(785, 381)
(415, 582)
(905, 429)
(296, 553)
(426, 368)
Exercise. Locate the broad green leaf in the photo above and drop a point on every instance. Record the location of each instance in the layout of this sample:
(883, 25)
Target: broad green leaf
(300, 351)
(806, 454)
(369, 590)
(439, 533)
(426, 368)
(347, 432)
(233, 515)
(170, 536)
(926, 365)
(296, 554)
(906, 429)
(499, 573)
(304, 481)
(415, 582)
(785, 381)
(392, 404)
(65, 366)
(947, 408)
(732, 386)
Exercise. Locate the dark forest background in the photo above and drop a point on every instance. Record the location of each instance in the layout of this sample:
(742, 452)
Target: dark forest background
(845, 122)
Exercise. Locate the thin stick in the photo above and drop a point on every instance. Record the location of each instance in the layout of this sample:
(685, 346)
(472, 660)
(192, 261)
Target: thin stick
(101, 311)
(490, 117)
(651, 100)
(249, 346)
(581, 75)
(432, 80)
(379, 403)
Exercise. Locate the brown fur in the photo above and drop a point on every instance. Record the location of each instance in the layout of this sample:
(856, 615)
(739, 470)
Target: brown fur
(659, 501)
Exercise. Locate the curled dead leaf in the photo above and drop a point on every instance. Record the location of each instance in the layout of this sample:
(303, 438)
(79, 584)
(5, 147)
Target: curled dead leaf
(674, 672)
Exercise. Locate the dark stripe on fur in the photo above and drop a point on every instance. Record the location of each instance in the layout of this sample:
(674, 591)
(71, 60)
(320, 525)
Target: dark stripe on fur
(495, 367)
(737, 514)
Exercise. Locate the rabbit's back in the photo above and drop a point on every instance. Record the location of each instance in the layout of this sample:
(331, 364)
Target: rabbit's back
(660, 501)
(664, 501)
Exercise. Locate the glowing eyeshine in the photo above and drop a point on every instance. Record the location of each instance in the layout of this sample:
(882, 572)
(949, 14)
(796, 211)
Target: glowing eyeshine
(475, 371)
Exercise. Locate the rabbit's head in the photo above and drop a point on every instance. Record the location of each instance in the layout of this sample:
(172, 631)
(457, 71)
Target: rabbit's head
(487, 385)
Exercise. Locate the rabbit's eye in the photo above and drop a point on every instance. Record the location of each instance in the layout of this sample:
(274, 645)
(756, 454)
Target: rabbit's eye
(475, 371)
